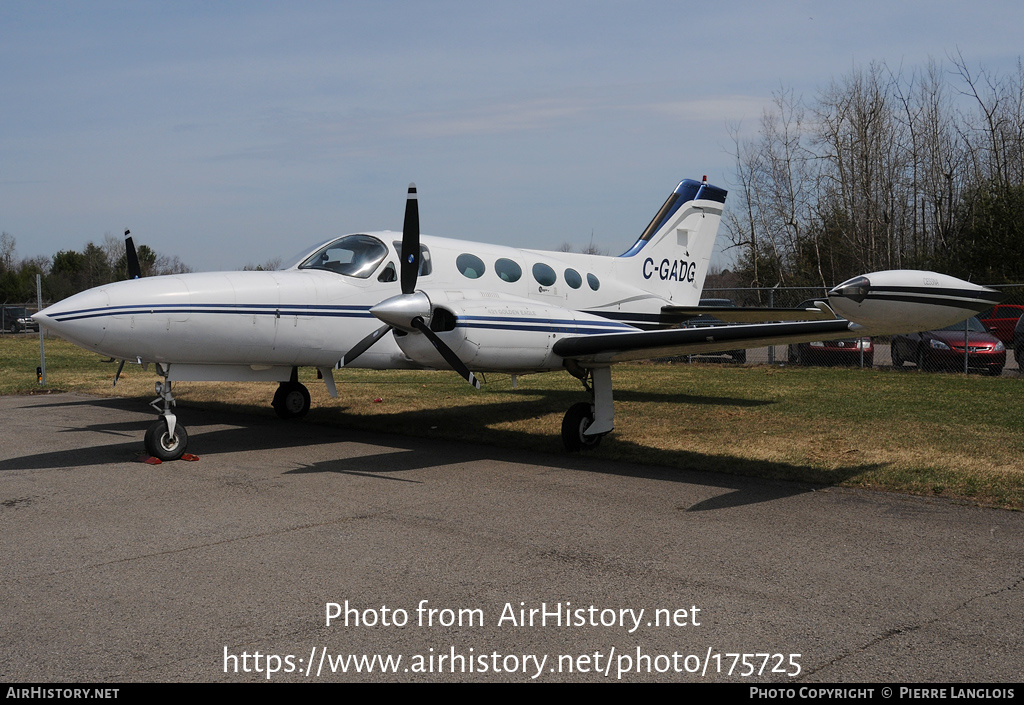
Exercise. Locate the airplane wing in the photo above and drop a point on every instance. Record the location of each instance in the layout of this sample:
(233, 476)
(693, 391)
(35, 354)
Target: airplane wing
(643, 345)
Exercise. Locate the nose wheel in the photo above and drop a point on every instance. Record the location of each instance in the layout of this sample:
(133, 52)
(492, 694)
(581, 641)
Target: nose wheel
(162, 444)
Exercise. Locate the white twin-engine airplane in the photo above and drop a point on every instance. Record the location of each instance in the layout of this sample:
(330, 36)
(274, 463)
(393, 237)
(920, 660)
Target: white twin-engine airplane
(467, 306)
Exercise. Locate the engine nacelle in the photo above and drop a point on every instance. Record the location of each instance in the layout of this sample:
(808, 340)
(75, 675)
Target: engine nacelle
(907, 301)
(500, 334)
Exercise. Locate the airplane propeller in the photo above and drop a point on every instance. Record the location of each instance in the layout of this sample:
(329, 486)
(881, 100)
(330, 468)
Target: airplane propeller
(134, 270)
(407, 311)
(410, 242)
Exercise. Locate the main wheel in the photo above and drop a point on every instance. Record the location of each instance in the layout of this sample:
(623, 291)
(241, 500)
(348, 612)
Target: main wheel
(291, 401)
(577, 420)
(162, 445)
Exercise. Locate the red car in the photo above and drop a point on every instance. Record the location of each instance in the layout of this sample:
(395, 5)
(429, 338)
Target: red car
(832, 352)
(944, 349)
(1000, 321)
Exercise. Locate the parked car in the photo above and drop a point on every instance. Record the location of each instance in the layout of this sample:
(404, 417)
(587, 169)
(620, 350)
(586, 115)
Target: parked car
(944, 348)
(9, 318)
(28, 323)
(1000, 320)
(832, 352)
(1018, 342)
(708, 321)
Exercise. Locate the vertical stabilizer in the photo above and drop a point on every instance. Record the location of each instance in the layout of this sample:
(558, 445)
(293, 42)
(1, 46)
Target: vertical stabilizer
(672, 255)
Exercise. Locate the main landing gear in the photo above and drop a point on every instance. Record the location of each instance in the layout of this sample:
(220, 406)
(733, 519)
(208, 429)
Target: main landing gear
(291, 400)
(166, 439)
(586, 423)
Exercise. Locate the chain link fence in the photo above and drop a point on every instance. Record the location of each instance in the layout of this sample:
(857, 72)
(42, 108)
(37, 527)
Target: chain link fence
(13, 315)
(947, 350)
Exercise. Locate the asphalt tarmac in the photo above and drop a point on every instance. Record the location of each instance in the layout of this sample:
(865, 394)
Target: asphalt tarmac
(227, 568)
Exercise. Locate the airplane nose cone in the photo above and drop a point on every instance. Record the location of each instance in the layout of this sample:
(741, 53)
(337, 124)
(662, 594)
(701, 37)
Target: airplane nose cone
(79, 319)
(855, 289)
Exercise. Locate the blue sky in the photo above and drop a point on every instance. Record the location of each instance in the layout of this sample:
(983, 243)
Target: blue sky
(229, 133)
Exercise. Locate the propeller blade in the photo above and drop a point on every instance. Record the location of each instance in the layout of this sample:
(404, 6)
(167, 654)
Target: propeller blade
(364, 345)
(411, 242)
(134, 270)
(447, 353)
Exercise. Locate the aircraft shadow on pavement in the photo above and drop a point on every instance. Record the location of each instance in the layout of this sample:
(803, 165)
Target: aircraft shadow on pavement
(217, 432)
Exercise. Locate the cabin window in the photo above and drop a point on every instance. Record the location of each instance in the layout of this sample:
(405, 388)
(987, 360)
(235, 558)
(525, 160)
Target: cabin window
(507, 270)
(544, 274)
(573, 278)
(594, 282)
(471, 266)
(352, 255)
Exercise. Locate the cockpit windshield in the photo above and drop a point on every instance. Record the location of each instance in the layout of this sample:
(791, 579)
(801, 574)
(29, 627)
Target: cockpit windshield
(352, 255)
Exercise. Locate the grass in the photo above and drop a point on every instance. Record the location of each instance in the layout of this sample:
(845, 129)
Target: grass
(930, 434)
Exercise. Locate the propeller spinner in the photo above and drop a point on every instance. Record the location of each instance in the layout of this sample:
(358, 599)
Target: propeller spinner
(408, 310)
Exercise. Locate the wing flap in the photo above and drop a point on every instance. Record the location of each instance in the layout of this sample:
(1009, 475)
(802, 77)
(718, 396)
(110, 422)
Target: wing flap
(643, 345)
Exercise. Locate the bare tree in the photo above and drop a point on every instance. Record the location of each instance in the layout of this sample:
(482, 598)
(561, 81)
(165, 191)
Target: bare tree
(885, 169)
(7, 244)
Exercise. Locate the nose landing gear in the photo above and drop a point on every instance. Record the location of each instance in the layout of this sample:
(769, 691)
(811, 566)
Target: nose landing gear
(166, 439)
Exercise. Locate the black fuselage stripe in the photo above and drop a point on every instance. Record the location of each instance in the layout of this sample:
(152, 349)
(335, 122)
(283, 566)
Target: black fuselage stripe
(932, 291)
(976, 304)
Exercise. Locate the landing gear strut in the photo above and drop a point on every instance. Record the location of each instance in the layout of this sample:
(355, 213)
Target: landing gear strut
(586, 423)
(166, 439)
(291, 400)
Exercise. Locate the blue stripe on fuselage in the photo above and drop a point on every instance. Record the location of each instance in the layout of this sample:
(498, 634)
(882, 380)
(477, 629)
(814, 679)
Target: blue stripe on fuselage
(247, 309)
(546, 325)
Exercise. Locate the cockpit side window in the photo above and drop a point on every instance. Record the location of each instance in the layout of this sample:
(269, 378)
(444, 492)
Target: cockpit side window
(425, 265)
(352, 255)
(388, 273)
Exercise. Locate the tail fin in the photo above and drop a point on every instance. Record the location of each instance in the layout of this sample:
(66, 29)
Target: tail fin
(671, 257)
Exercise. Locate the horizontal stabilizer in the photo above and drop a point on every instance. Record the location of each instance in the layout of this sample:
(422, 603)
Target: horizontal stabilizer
(748, 314)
